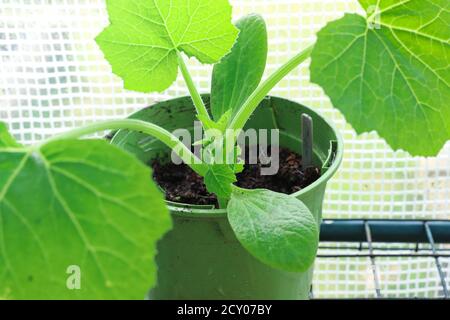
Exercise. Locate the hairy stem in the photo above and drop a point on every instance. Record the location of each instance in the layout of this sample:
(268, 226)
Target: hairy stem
(196, 98)
(264, 88)
(148, 128)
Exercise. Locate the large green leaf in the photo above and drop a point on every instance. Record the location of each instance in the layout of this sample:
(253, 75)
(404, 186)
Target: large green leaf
(142, 41)
(6, 140)
(77, 203)
(276, 228)
(390, 72)
(239, 73)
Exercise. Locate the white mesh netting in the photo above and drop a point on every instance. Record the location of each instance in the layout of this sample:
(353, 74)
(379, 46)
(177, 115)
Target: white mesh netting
(53, 77)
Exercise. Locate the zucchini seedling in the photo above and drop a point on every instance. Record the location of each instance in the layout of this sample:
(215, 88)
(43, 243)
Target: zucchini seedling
(68, 201)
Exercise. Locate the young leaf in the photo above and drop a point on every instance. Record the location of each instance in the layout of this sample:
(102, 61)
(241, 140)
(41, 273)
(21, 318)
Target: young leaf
(276, 228)
(6, 139)
(239, 73)
(144, 36)
(77, 213)
(238, 165)
(219, 179)
(390, 72)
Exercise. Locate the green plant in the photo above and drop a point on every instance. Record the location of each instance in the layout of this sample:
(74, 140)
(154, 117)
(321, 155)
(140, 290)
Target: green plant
(68, 200)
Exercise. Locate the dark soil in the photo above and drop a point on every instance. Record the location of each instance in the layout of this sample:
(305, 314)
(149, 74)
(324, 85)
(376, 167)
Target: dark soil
(181, 184)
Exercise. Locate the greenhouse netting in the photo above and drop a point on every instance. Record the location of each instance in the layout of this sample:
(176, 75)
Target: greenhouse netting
(53, 76)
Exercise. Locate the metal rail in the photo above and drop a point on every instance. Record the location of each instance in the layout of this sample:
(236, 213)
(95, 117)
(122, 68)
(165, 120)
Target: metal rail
(371, 236)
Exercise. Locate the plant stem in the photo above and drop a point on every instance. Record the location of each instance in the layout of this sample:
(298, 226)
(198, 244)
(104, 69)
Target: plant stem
(264, 88)
(222, 202)
(148, 128)
(196, 98)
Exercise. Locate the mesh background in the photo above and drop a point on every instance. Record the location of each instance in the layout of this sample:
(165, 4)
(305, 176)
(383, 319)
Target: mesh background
(53, 77)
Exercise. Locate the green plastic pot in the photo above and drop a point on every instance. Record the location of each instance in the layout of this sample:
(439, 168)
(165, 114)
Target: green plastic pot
(200, 258)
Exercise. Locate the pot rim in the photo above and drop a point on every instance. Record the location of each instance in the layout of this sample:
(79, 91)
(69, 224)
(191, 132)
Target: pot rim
(190, 211)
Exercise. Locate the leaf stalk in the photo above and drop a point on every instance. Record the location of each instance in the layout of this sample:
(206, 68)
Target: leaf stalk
(141, 126)
(195, 95)
(249, 106)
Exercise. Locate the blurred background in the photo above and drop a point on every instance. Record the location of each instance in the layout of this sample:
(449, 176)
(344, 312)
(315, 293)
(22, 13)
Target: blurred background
(53, 77)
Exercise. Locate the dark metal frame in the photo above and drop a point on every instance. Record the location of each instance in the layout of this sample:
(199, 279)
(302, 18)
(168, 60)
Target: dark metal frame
(369, 232)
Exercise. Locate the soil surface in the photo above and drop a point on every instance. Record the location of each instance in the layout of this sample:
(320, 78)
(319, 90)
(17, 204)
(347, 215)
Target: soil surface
(181, 184)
